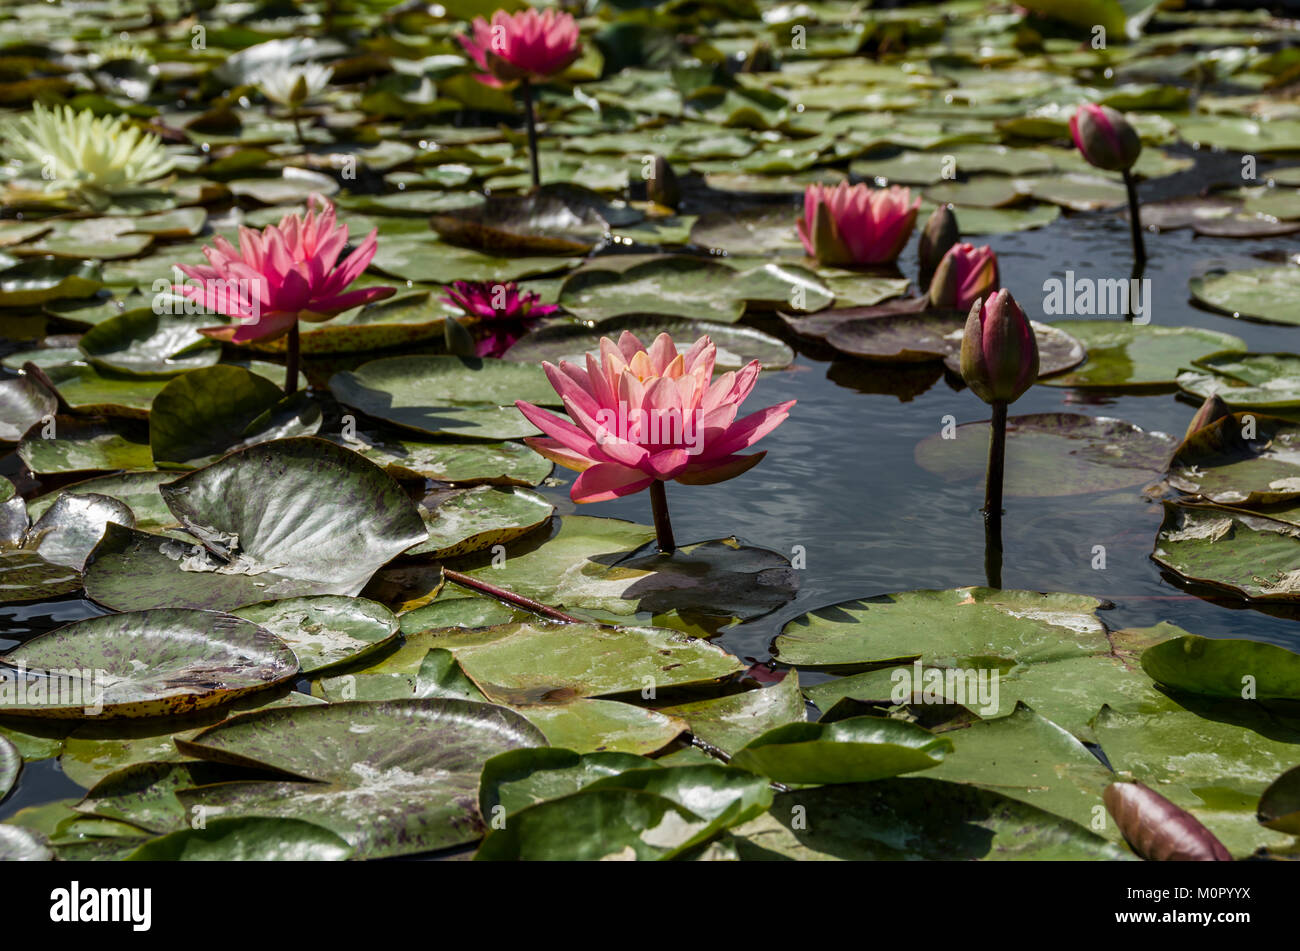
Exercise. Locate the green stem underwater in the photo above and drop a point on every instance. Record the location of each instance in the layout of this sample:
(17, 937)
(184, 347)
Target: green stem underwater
(291, 362)
(1135, 220)
(663, 524)
(531, 116)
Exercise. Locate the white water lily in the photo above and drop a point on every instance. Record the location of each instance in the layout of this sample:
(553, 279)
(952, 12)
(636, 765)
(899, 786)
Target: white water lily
(92, 157)
(291, 85)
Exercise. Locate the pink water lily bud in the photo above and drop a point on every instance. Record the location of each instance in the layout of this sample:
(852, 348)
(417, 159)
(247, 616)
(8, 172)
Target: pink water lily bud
(939, 234)
(639, 414)
(280, 275)
(999, 354)
(847, 225)
(508, 312)
(525, 45)
(1105, 137)
(965, 274)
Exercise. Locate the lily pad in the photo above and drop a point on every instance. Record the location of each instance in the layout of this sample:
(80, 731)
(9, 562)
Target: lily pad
(23, 845)
(463, 463)
(144, 343)
(87, 444)
(391, 778)
(446, 395)
(1052, 454)
(1236, 669)
(1279, 806)
(38, 280)
(731, 721)
(1218, 463)
(23, 403)
(1126, 356)
(326, 630)
(521, 778)
(588, 726)
(1267, 381)
(11, 764)
(847, 751)
(1250, 555)
(246, 840)
(542, 222)
(147, 664)
(1267, 294)
(138, 490)
(461, 521)
(260, 532)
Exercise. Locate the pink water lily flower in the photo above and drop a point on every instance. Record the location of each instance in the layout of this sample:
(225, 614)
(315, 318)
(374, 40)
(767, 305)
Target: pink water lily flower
(640, 416)
(512, 313)
(526, 45)
(965, 274)
(280, 275)
(855, 224)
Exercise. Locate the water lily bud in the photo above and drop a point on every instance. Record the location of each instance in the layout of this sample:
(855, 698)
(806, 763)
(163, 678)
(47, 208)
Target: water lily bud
(965, 274)
(1212, 410)
(939, 235)
(1105, 137)
(662, 188)
(999, 354)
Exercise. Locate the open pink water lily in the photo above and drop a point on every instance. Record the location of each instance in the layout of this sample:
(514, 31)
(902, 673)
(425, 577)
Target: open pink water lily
(526, 45)
(855, 224)
(640, 415)
(965, 274)
(280, 275)
(1105, 137)
(512, 313)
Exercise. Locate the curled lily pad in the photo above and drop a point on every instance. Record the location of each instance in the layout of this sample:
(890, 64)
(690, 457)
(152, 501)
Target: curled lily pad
(847, 751)
(201, 415)
(464, 463)
(520, 778)
(23, 845)
(1127, 356)
(391, 778)
(461, 521)
(736, 344)
(1242, 459)
(146, 664)
(248, 839)
(1250, 555)
(23, 403)
(1266, 294)
(326, 630)
(446, 395)
(145, 343)
(541, 222)
(261, 531)
(11, 764)
(138, 490)
(731, 721)
(86, 444)
(1053, 454)
(1267, 381)
(1237, 669)
(66, 532)
(1279, 806)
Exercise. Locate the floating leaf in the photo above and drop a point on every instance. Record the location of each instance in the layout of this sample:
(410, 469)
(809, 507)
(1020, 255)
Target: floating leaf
(326, 630)
(1237, 669)
(1279, 806)
(1219, 464)
(731, 721)
(1128, 356)
(144, 343)
(23, 403)
(246, 840)
(1268, 381)
(848, 751)
(464, 463)
(11, 764)
(23, 845)
(1266, 294)
(461, 521)
(87, 444)
(1250, 555)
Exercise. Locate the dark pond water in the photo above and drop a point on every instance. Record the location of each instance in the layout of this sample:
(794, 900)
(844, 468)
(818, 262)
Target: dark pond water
(840, 477)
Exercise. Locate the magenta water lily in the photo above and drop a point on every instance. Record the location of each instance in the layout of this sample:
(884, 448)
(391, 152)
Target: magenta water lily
(507, 312)
(965, 275)
(642, 416)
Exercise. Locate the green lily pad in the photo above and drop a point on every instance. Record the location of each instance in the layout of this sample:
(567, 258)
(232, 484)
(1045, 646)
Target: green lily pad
(260, 532)
(588, 565)
(686, 287)
(70, 528)
(391, 778)
(23, 403)
(1078, 192)
(737, 345)
(1127, 356)
(1250, 555)
(23, 845)
(463, 463)
(731, 721)
(87, 444)
(326, 630)
(26, 576)
(246, 840)
(847, 751)
(95, 392)
(1266, 294)
(143, 343)
(38, 280)
(1267, 381)
(549, 221)
(984, 191)
(147, 664)
(446, 395)
(199, 416)
(461, 521)
(913, 818)
(1219, 464)
(138, 490)
(1052, 454)
(1237, 669)
(1279, 806)
(438, 263)
(521, 778)
(588, 726)
(142, 794)
(760, 230)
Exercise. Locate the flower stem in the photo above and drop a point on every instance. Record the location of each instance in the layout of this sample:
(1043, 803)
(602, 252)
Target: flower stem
(1135, 220)
(663, 525)
(297, 129)
(291, 362)
(501, 594)
(993, 495)
(530, 114)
